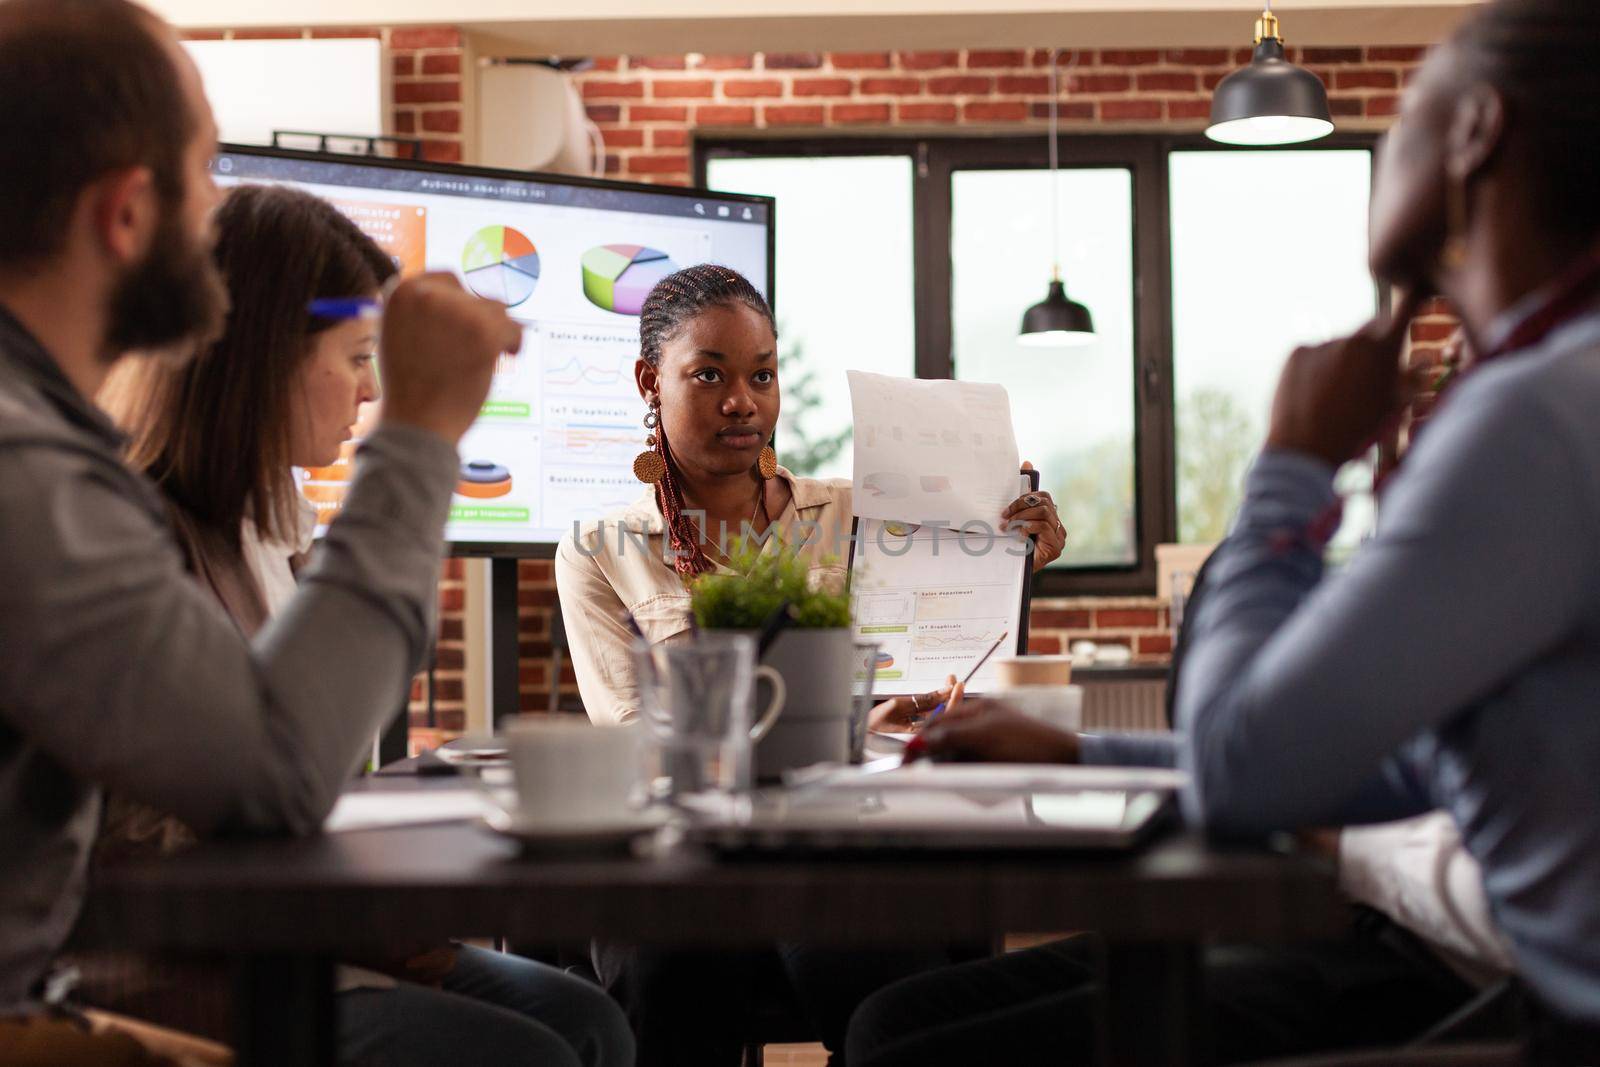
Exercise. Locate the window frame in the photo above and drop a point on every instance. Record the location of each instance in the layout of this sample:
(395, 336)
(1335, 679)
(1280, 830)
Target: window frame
(935, 159)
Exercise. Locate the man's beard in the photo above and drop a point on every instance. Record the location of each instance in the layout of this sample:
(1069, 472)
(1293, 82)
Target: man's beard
(174, 302)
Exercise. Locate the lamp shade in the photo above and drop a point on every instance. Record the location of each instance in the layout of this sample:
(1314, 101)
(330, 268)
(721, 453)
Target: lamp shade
(1269, 102)
(1057, 321)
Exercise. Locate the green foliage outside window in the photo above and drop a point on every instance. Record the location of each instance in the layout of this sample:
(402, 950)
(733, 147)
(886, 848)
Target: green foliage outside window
(1217, 438)
(800, 451)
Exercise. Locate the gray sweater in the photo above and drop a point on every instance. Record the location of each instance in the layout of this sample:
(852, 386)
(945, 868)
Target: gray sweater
(118, 671)
(1454, 663)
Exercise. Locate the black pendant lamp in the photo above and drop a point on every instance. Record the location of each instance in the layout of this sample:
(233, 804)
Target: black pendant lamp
(1056, 321)
(1271, 101)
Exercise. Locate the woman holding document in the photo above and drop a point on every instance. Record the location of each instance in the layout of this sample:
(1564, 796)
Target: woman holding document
(708, 369)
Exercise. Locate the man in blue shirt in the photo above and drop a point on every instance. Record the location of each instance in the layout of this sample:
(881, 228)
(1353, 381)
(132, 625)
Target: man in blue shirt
(1455, 662)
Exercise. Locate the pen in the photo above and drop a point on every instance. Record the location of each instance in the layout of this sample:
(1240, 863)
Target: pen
(340, 308)
(780, 618)
(938, 710)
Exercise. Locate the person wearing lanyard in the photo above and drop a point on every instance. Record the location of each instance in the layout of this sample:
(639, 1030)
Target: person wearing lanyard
(1454, 662)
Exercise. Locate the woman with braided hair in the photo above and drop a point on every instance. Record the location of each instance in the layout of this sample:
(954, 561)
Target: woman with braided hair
(708, 371)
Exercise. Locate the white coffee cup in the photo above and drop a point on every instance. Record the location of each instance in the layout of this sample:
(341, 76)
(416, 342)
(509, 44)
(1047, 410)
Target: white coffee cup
(1059, 705)
(1013, 672)
(571, 772)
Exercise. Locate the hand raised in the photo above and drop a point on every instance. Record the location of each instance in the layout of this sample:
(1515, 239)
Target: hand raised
(1333, 400)
(438, 349)
(1034, 515)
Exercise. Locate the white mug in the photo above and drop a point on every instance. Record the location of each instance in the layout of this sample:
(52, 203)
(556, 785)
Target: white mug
(1013, 672)
(569, 771)
(1059, 705)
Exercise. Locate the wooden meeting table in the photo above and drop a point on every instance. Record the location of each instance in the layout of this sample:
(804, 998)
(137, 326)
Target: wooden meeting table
(286, 910)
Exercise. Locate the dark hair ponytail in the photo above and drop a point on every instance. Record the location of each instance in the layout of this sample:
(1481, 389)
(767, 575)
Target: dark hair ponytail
(672, 305)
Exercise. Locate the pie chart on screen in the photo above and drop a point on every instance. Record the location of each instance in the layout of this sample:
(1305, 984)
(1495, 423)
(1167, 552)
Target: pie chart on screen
(501, 264)
(618, 277)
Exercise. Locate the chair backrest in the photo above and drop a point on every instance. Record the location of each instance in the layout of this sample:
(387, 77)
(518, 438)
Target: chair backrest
(1180, 647)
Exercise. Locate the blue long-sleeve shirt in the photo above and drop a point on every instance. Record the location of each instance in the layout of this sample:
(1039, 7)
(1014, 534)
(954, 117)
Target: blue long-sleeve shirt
(1454, 663)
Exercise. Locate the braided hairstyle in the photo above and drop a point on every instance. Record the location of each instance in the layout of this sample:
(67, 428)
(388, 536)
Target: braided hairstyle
(674, 302)
(1544, 58)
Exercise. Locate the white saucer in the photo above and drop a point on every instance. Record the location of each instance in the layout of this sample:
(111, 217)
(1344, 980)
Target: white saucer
(474, 750)
(605, 833)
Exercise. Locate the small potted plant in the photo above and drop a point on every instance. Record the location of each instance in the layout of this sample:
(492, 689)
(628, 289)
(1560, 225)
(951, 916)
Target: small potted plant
(814, 652)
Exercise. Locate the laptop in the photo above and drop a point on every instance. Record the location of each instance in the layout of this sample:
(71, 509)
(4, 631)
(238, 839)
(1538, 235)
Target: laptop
(945, 808)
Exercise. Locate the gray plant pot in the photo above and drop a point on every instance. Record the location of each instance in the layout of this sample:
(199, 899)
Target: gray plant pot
(818, 669)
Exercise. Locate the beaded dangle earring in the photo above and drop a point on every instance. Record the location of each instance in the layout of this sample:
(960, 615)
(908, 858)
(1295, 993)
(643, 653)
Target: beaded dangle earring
(767, 463)
(649, 466)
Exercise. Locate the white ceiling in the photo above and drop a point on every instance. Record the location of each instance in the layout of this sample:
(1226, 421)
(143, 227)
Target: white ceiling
(553, 27)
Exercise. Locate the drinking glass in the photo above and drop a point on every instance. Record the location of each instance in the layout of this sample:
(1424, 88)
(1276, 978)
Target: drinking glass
(866, 677)
(697, 697)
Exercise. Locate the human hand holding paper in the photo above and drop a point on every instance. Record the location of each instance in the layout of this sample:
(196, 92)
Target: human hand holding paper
(936, 580)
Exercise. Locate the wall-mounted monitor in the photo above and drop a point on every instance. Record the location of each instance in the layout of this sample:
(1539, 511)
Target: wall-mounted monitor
(573, 260)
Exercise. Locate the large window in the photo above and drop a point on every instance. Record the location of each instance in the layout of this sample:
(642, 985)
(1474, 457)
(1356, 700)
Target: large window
(844, 288)
(1203, 267)
(1269, 251)
(1073, 408)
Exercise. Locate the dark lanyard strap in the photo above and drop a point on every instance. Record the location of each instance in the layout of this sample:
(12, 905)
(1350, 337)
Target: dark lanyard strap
(1570, 299)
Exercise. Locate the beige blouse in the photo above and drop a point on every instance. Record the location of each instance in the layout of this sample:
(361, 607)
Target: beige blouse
(602, 572)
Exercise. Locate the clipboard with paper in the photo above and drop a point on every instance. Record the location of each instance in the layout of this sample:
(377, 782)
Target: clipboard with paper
(934, 581)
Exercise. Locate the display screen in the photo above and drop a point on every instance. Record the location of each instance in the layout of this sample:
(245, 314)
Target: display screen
(573, 260)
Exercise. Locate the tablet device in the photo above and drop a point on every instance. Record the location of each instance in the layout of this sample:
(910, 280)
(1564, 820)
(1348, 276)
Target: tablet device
(908, 820)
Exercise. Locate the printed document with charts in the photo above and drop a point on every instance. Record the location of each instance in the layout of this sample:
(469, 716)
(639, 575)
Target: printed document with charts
(934, 579)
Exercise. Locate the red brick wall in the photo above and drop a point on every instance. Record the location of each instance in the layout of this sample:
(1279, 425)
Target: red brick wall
(650, 109)
(1430, 332)
(449, 657)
